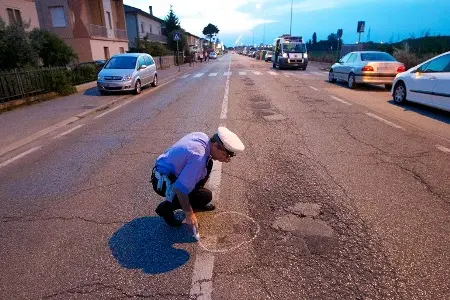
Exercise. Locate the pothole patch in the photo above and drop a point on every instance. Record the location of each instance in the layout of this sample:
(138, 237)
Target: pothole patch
(305, 209)
(303, 226)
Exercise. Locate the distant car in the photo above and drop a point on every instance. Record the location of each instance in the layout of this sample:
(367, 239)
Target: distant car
(366, 67)
(127, 72)
(427, 83)
(212, 55)
(268, 56)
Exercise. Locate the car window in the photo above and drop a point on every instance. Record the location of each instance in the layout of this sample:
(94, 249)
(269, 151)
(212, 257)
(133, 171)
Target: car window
(141, 62)
(121, 62)
(147, 60)
(440, 64)
(377, 56)
(345, 58)
(352, 58)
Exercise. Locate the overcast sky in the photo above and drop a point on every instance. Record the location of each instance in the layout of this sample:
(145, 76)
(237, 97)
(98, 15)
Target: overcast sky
(243, 20)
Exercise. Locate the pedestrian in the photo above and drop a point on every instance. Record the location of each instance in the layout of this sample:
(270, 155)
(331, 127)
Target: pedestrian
(206, 55)
(181, 172)
(200, 57)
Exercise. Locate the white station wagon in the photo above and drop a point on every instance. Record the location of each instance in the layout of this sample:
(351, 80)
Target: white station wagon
(427, 83)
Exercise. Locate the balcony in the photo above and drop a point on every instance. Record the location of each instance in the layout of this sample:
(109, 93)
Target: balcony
(98, 31)
(120, 34)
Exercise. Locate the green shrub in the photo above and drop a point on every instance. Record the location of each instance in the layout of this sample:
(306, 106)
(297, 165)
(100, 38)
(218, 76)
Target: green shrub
(84, 73)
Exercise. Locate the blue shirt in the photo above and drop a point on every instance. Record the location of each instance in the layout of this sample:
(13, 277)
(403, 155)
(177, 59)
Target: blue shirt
(187, 160)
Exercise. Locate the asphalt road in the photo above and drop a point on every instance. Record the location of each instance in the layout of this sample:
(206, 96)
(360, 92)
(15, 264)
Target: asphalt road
(340, 194)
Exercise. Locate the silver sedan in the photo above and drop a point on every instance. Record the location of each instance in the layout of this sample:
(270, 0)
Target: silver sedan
(366, 67)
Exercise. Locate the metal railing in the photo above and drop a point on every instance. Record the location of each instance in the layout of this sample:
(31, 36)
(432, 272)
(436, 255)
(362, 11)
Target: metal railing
(120, 34)
(98, 30)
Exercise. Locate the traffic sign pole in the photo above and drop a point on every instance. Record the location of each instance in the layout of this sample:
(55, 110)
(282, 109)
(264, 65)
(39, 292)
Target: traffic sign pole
(178, 58)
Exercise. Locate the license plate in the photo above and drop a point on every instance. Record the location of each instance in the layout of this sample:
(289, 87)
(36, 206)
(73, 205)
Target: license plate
(295, 65)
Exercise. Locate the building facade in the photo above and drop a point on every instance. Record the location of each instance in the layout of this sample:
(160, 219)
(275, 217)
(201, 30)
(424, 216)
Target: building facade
(20, 11)
(95, 29)
(143, 25)
(194, 42)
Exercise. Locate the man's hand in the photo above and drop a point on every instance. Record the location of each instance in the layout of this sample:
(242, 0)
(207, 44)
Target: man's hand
(191, 219)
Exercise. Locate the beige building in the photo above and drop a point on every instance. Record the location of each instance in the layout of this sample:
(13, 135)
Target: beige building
(95, 29)
(194, 42)
(143, 25)
(22, 11)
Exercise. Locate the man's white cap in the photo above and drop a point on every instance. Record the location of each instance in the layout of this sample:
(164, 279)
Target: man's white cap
(230, 140)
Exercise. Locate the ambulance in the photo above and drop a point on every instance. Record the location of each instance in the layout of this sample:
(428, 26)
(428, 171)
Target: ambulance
(289, 52)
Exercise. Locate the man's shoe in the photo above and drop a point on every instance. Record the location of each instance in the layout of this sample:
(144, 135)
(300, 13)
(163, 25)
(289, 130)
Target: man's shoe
(164, 211)
(207, 207)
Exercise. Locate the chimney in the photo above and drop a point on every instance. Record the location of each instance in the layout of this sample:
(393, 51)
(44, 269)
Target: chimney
(150, 8)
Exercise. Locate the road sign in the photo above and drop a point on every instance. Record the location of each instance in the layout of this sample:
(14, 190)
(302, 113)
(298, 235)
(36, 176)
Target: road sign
(176, 36)
(361, 25)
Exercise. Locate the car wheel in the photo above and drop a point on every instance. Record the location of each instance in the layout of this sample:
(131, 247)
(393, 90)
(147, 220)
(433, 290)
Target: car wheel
(388, 86)
(400, 93)
(155, 80)
(331, 76)
(137, 87)
(351, 81)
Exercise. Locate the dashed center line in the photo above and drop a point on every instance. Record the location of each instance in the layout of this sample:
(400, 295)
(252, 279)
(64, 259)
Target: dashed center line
(18, 156)
(340, 100)
(384, 121)
(272, 73)
(198, 75)
(242, 73)
(257, 73)
(227, 73)
(443, 149)
(186, 76)
(68, 131)
(212, 74)
(316, 89)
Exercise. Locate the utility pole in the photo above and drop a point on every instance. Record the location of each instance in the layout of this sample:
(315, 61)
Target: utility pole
(292, 6)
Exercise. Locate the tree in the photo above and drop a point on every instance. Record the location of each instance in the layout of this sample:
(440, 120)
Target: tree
(210, 31)
(314, 38)
(51, 48)
(172, 21)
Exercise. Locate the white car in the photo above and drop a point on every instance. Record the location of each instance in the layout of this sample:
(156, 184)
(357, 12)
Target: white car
(427, 83)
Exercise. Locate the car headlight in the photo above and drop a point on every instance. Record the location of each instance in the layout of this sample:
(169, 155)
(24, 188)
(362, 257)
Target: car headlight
(305, 55)
(99, 77)
(126, 78)
(285, 55)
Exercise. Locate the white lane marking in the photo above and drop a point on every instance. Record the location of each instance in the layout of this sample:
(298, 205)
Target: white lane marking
(227, 73)
(286, 75)
(212, 74)
(186, 76)
(223, 113)
(199, 75)
(242, 73)
(257, 73)
(68, 131)
(113, 109)
(272, 73)
(316, 89)
(384, 121)
(18, 156)
(38, 134)
(340, 100)
(443, 149)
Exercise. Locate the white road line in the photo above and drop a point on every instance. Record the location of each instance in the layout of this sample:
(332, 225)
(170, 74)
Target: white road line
(186, 76)
(272, 73)
(18, 156)
(340, 100)
(257, 73)
(212, 74)
(242, 73)
(202, 284)
(286, 75)
(68, 131)
(227, 73)
(113, 109)
(199, 75)
(384, 121)
(443, 149)
(316, 89)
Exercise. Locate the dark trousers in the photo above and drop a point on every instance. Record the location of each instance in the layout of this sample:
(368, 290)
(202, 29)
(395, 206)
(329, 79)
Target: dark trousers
(198, 198)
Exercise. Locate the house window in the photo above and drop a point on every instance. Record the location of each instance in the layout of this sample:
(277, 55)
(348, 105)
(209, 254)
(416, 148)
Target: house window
(109, 19)
(14, 15)
(121, 50)
(106, 51)
(151, 31)
(159, 30)
(58, 16)
(142, 26)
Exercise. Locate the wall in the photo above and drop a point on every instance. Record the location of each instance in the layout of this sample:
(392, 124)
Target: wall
(45, 18)
(156, 26)
(131, 28)
(114, 48)
(27, 9)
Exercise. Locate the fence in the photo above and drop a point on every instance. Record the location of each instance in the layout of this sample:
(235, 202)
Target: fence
(164, 62)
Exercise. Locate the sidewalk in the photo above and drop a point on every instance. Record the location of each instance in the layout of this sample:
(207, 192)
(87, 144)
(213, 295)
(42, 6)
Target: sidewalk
(28, 122)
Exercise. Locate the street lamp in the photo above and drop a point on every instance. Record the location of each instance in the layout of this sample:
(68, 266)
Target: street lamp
(290, 28)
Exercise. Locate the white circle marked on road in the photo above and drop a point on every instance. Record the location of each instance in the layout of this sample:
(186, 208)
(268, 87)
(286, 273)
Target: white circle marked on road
(229, 249)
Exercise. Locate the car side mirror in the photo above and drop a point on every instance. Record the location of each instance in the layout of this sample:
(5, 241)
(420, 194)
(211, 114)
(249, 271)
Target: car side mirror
(143, 67)
(340, 61)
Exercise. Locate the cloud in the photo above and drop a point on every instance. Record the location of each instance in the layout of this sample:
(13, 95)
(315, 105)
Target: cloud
(229, 16)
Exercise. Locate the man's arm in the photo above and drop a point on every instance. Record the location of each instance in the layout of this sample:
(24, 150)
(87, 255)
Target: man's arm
(191, 219)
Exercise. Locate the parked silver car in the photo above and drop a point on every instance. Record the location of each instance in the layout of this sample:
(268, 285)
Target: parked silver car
(366, 67)
(127, 72)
